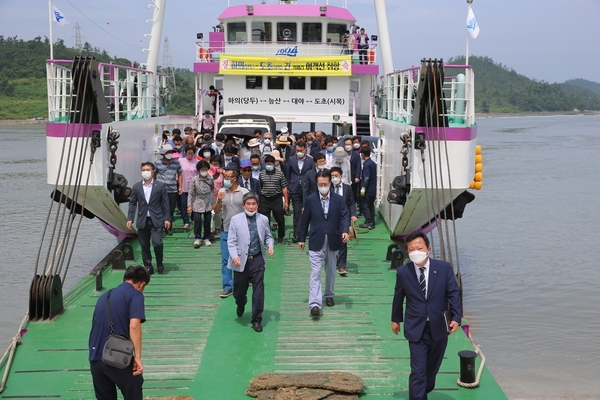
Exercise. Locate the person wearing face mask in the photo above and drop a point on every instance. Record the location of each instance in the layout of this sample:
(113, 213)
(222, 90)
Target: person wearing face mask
(152, 215)
(188, 172)
(168, 171)
(206, 153)
(430, 289)
(229, 200)
(342, 160)
(256, 165)
(355, 165)
(246, 180)
(249, 233)
(178, 147)
(284, 146)
(200, 202)
(295, 173)
(266, 147)
(326, 214)
(309, 183)
(219, 143)
(328, 151)
(207, 123)
(273, 186)
(229, 156)
(344, 190)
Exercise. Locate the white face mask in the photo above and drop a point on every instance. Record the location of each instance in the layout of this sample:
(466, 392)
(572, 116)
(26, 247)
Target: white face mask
(320, 167)
(146, 175)
(356, 145)
(417, 256)
(335, 180)
(323, 189)
(206, 154)
(348, 148)
(267, 141)
(203, 173)
(250, 213)
(168, 156)
(300, 154)
(255, 167)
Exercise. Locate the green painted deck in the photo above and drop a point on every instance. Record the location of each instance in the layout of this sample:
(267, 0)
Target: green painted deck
(193, 343)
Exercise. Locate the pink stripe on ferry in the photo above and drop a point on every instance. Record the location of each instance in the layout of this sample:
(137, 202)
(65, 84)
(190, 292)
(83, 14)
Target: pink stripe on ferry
(287, 10)
(74, 130)
(455, 134)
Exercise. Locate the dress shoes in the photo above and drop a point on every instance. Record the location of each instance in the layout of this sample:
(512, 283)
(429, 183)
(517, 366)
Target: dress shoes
(161, 268)
(150, 270)
(279, 242)
(315, 312)
(295, 239)
(240, 310)
(329, 302)
(257, 326)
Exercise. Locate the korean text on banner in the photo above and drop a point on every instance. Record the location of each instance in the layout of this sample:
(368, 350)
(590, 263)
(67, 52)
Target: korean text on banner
(302, 66)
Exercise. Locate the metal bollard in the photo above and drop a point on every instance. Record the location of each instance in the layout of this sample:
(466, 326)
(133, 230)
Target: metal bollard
(467, 366)
(99, 281)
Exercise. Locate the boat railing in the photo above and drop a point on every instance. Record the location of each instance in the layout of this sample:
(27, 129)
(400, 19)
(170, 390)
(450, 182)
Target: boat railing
(207, 53)
(130, 93)
(400, 91)
(339, 3)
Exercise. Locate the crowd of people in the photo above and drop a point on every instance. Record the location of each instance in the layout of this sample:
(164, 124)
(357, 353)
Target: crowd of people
(325, 183)
(230, 187)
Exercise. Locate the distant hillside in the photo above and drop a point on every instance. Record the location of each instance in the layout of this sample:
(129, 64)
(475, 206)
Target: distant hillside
(582, 86)
(499, 88)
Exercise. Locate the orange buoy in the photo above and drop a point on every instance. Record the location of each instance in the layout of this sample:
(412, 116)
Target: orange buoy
(202, 53)
(371, 56)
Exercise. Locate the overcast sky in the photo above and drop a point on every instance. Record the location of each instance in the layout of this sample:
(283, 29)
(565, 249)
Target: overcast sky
(547, 40)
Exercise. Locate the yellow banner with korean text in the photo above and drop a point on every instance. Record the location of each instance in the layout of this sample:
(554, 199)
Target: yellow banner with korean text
(281, 65)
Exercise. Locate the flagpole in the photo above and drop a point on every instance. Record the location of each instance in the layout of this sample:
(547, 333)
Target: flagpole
(50, 20)
(469, 2)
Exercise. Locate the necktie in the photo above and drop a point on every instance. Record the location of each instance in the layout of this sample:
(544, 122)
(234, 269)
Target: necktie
(337, 190)
(422, 281)
(246, 184)
(323, 204)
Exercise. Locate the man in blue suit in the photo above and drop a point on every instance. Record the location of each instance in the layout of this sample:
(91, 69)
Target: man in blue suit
(429, 287)
(150, 199)
(248, 234)
(295, 173)
(328, 217)
(246, 180)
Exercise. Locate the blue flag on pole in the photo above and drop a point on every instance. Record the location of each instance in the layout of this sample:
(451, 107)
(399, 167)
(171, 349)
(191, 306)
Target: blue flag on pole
(58, 16)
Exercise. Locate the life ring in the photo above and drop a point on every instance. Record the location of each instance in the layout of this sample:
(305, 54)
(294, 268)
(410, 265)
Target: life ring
(371, 56)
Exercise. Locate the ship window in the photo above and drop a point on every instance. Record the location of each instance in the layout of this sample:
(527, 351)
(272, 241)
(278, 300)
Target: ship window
(262, 31)
(311, 32)
(335, 33)
(254, 82)
(275, 82)
(286, 32)
(297, 83)
(236, 32)
(318, 83)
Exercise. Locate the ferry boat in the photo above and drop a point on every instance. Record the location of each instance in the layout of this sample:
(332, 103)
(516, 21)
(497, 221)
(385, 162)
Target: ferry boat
(292, 63)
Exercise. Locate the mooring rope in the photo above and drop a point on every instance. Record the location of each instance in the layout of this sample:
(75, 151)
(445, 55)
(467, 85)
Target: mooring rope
(10, 352)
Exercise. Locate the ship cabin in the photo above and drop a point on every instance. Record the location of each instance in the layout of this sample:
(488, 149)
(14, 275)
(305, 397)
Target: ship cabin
(290, 61)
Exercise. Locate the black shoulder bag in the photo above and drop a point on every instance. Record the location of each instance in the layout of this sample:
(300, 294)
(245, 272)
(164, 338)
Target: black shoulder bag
(118, 349)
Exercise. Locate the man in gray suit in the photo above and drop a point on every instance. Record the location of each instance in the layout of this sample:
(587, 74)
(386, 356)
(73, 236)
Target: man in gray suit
(151, 200)
(248, 233)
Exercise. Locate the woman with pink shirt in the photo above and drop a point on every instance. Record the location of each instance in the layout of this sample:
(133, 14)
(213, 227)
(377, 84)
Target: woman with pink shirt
(217, 173)
(188, 171)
